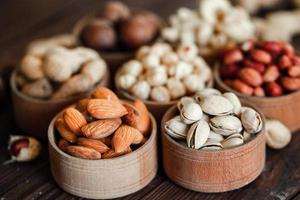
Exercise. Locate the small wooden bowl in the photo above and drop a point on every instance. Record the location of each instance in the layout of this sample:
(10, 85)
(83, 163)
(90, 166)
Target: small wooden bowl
(158, 109)
(34, 115)
(284, 108)
(107, 178)
(212, 171)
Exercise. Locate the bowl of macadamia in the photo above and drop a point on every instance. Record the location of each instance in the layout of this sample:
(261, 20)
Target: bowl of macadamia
(117, 30)
(52, 74)
(160, 75)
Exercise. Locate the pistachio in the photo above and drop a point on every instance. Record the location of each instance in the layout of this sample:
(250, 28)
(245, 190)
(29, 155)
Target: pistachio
(247, 136)
(216, 105)
(183, 101)
(233, 141)
(251, 120)
(277, 134)
(226, 125)
(201, 94)
(176, 128)
(191, 112)
(198, 134)
(213, 136)
(234, 101)
(212, 145)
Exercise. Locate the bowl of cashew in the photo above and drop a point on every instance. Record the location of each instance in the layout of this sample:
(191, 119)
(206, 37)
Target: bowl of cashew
(49, 79)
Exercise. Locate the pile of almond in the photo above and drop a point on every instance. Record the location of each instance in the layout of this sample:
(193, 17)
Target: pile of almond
(267, 68)
(102, 126)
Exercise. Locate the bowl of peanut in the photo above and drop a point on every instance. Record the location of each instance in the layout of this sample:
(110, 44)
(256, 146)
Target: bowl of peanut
(53, 74)
(267, 74)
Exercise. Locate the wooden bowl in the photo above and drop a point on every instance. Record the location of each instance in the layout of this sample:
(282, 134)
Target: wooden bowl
(34, 115)
(158, 109)
(284, 108)
(107, 178)
(212, 171)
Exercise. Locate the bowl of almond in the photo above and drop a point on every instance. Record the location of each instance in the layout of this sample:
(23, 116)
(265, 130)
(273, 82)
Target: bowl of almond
(103, 147)
(267, 74)
(52, 74)
(160, 75)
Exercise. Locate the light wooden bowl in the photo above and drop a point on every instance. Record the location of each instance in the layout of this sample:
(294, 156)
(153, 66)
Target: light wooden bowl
(34, 115)
(284, 108)
(158, 109)
(107, 178)
(212, 171)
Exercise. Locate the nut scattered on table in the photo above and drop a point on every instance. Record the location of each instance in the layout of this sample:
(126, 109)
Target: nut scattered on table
(160, 73)
(23, 148)
(55, 69)
(268, 68)
(214, 25)
(213, 121)
(102, 126)
(277, 134)
(118, 27)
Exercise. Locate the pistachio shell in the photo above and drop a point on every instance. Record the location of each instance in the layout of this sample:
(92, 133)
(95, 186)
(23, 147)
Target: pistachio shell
(251, 120)
(216, 105)
(191, 112)
(200, 95)
(277, 134)
(234, 100)
(183, 101)
(215, 136)
(226, 125)
(176, 128)
(233, 141)
(198, 134)
(212, 145)
(247, 136)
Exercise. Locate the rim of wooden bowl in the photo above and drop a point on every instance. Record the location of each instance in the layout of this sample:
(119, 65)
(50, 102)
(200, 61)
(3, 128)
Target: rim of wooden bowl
(220, 83)
(77, 28)
(51, 140)
(174, 109)
(127, 95)
(103, 82)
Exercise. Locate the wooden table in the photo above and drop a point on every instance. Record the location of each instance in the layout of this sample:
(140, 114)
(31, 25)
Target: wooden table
(22, 21)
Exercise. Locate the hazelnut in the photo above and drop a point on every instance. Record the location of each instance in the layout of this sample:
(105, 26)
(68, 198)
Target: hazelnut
(137, 30)
(115, 11)
(99, 35)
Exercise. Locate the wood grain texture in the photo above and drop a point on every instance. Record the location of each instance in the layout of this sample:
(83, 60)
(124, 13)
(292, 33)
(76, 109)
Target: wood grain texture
(24, 22)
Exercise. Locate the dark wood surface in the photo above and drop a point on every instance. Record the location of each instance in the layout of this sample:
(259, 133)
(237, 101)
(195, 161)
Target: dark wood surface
(22, 21)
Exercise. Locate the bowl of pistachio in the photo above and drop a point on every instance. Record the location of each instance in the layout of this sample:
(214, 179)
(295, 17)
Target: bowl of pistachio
(213, 142)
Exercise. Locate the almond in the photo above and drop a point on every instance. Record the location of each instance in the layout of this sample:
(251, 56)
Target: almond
(63, 144)
(101, 128)
(93, 144)
(106, 109)
(124, 137)
(83, 152)
(138, 119)
(64, 132)
(250, 76)
(145, 123)
(105, 93)
(106, 140)
(74, 120)
(271, 74)
(111, 153)
(82, 105)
